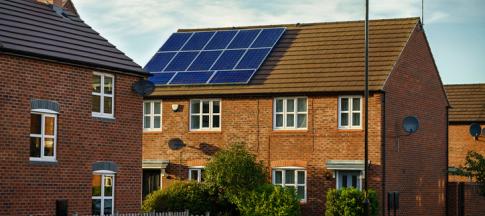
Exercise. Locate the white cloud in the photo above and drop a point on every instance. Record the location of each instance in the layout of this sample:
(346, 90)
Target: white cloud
(140, 26)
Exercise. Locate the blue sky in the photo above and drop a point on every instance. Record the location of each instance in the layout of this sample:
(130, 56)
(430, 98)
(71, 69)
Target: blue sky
(455, 28)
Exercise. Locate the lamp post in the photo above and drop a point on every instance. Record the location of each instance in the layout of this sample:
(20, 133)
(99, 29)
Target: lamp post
(366, 109)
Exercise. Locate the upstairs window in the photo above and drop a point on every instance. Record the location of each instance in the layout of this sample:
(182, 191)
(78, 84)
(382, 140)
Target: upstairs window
(205, 115)
(152, 115)
(43, 135)
(350, 112)
(102, 95)
(290, 113)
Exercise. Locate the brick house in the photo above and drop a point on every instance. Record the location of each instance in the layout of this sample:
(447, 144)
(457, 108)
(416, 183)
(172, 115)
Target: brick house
(301, 115)
(467, 103)
(70, 123)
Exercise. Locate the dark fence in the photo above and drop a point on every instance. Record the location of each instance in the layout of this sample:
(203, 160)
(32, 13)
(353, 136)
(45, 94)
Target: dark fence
(464, 199)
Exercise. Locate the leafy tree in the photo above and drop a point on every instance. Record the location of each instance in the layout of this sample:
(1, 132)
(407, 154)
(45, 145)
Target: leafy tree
(350, 202)
(475, 166)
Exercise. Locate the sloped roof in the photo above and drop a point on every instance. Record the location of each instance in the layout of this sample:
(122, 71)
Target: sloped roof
(32, 28)
(318, 57)
(467, 102)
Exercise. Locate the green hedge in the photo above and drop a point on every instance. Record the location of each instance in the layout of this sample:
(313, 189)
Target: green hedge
(349, 202)
(180, 196)
(268, 200)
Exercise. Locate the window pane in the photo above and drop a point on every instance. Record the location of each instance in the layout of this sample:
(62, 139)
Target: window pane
(354, 181)
(96, 207)
(96, 83)
(290, 120)
(301, 177)
(205, 106)
(344, 180)
(34, 146)
(279, 120)
(202, 175)
(290, 105)
(156, 108)
(49, 147)
(147, 108)
(356, 104)
(290, 177)
(49, 125)
(215, 107)
(344, 119)
(300, 192)
(108, 206)
(215, 121)
(96, 185)
(279, 105)
(195, 106)
(108, 186)
(96, 103)
(108, 104)
(194, 124)
(108, 85)
(35, 122)
(302, 105)
(147, 122)
(278, 177)
(355, 119)
(205, 121)
(156, 122)
(194, 175)
(344, 104)
(301, 120)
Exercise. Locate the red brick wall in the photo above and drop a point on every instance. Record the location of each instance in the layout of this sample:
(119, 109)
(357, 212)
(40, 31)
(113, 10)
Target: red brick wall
(32, 189)
(249, 120)
(416, 167)
(460, 143)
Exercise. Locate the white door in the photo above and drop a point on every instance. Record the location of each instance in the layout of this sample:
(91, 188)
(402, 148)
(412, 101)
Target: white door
(349, 179)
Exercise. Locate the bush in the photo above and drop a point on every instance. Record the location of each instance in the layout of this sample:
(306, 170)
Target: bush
(180, 196)
(268, 200)
(349, 202)
(475, 167)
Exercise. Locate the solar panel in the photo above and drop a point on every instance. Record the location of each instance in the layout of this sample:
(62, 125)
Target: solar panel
(212, 57)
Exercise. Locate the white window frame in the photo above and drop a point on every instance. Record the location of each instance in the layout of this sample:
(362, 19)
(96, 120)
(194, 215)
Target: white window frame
(284, 113)
(152, 115)
(103, 174)
(210, 114)
(102, 95)
(199, 170)
(339, 174)
(295, 185)
(350, 112)
(42, 136)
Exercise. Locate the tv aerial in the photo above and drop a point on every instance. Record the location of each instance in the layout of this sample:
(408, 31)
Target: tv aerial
(143, 87)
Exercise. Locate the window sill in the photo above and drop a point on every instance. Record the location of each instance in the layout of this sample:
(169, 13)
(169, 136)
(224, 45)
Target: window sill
(290, 130)
(349, 129)
(152, 131)
(104, 118)
(205, 131)
(36, 161)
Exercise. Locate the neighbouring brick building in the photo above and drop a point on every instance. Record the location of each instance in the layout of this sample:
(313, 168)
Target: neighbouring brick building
(467, 103)
(301, 115)
(70, 122)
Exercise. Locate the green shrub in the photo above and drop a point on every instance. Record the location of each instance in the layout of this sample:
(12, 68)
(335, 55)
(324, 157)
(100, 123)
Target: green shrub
(268, 200)
(475, 167)
(179, 196)
(349, 202)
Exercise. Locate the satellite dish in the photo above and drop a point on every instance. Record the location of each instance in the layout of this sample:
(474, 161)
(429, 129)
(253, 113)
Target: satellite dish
(410, 124)
(143, 87)
(176, 144)
(475, 130)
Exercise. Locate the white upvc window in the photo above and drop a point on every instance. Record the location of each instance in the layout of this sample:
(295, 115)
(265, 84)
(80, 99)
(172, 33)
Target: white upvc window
(103, 95)
(292, 177)
(205, 115)
(196, 173)
(103, 191)
(349, 112)
(152, 115)
(43, 136)
(349, 178)
(290, 113)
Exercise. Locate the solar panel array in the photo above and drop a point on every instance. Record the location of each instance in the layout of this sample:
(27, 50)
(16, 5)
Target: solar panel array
(212, 57)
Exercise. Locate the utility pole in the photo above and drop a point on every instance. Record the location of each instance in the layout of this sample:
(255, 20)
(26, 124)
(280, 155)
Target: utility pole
(366, 110)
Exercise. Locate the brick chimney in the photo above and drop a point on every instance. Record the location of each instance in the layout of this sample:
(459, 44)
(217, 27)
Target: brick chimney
(57, 3)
